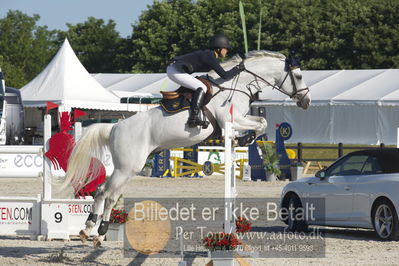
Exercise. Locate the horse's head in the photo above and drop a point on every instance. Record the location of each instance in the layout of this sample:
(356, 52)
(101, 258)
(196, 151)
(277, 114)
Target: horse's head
(293, 84)
(265, 70)
(272, 69)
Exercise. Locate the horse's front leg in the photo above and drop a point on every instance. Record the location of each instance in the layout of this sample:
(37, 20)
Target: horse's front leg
(260, 120)
(249, 122)
(256, 124)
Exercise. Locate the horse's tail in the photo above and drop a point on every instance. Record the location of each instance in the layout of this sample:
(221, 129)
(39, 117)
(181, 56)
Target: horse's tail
(81, 168)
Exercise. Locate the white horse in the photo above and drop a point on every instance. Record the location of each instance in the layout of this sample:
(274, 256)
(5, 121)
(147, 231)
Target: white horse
(132, 140)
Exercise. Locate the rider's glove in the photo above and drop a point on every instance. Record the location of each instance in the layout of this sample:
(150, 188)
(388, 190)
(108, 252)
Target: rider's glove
(241, 66)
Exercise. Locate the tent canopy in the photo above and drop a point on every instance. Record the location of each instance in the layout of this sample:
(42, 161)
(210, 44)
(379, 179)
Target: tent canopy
(66, 82)
(135, 85)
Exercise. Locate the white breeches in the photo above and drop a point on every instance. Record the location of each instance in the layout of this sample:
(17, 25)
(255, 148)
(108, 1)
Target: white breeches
(184, 79)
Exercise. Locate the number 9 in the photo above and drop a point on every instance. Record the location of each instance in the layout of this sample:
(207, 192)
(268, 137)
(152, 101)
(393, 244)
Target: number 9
(58, 217)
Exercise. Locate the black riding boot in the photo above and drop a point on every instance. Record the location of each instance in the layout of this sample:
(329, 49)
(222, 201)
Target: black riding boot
(194, 119)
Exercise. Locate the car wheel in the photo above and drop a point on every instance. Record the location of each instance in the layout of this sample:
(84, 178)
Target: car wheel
(294, 207)
(385, 220)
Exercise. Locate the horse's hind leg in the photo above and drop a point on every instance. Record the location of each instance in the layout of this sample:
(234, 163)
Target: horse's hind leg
(113, 189)
(93, 216)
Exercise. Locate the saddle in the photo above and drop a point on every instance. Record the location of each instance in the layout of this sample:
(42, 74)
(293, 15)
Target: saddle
(180, 99)
(171, 99)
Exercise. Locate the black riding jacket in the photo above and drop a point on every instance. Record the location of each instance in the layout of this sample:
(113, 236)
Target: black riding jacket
(203, 61)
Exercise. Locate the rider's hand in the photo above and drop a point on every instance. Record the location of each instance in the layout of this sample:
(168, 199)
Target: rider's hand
(241, 66)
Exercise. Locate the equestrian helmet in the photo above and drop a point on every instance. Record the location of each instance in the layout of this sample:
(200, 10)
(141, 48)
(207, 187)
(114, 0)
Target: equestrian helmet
(219, 41)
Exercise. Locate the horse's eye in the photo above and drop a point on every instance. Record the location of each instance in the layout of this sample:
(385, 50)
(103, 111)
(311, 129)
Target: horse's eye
(298, 75)
(295, 98)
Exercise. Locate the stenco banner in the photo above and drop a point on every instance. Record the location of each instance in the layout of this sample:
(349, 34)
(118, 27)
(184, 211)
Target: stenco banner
(20, 217)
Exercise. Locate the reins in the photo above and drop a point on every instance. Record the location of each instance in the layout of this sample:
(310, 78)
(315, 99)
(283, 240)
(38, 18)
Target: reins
(255, 83)
(232, 90)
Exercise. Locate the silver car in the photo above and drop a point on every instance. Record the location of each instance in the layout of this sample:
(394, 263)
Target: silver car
(361, 189)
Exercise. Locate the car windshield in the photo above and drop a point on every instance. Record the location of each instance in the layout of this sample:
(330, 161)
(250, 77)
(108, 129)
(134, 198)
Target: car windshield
(355, 165)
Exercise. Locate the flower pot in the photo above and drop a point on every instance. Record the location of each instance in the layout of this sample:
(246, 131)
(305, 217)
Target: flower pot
(147, 171)
(296, 172)
(115, 232)
(270, 176)
(222, 258)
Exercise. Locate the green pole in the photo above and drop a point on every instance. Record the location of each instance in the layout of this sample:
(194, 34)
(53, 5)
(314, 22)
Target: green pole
(260, 23)
(244, 29)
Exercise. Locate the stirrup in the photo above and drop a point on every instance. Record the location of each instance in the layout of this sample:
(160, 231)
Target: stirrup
(194, 123)
(204, 124)
(197, 122)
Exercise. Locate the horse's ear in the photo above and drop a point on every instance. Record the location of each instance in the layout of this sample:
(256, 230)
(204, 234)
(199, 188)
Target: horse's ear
(295, 62)
(288, 60)
(242, 55)
(291, 60)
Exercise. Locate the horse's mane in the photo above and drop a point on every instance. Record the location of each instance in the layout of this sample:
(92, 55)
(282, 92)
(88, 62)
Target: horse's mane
(252, 55)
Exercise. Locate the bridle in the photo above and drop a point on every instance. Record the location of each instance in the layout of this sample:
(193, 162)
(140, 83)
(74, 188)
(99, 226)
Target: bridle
(255, 83)
(295, 92)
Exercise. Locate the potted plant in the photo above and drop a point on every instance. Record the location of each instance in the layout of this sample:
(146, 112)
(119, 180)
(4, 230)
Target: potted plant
(242, 225)
(271, 162)
(147, 170)
(116, 225)
(221, 246)
(296, 169)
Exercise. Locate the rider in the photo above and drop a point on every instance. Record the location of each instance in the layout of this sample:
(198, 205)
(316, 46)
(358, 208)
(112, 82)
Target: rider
(183, 66)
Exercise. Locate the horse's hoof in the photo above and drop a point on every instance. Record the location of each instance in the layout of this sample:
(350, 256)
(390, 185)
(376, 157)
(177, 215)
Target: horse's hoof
(96, 242)
(242, 141)
(83, 236)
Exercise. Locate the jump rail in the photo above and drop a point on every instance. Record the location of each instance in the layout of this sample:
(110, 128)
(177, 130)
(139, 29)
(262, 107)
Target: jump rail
(21, 149)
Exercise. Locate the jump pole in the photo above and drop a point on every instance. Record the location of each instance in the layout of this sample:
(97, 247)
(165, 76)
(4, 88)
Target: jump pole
(46, 161)
(229, 180)
(397, 138)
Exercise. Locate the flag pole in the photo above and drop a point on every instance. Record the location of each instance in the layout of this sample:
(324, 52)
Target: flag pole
(244, 28)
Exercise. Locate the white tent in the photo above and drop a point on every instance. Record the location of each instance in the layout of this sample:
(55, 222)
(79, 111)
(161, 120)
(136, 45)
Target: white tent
(66, 82)
(136, 85)
(348, 106)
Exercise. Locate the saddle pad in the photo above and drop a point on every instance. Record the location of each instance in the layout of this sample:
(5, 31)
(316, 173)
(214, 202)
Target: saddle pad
(175, 105)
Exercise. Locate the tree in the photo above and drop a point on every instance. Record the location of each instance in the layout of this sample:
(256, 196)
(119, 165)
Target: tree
(14, 76)
(163, 31)
(97, 45)
(24, 47)
(326, 34)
